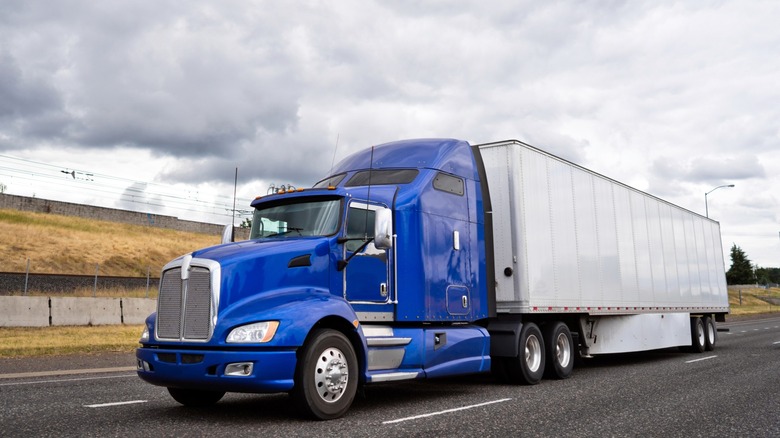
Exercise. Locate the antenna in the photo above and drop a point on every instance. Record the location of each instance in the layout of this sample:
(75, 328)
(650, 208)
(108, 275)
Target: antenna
(333, 161)
(368, 193)
(233, 217)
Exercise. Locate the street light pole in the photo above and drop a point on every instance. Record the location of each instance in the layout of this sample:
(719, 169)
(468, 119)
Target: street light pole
(706, 207)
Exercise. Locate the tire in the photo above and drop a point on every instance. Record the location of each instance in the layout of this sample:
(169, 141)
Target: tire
(528, 367)
(697, 335)
(326, 376)
(560, 350)
(195, 397)
(710, 333)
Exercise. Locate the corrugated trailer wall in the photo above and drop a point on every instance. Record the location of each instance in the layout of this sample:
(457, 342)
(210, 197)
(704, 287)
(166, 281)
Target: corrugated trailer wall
(570, 240)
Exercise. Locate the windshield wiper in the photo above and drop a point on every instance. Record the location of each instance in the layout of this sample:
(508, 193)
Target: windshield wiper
(289, 230)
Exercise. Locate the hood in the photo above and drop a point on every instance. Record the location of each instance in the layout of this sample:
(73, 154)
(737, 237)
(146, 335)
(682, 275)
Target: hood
(259, 266)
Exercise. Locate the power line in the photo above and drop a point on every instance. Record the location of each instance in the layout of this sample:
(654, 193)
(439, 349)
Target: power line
(58, 183)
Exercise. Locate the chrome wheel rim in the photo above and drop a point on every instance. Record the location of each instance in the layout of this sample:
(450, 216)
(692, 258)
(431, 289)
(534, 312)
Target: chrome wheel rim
(700, 334)
(562, 350)
(331, 374)
(533, 353)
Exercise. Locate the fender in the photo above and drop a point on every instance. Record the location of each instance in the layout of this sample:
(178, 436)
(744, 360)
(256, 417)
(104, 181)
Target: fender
(296, 309)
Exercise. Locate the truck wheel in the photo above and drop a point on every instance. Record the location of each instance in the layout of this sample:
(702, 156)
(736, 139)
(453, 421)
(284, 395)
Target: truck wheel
(560, 351)
(326, 376)
(697, 335)
(195, 397)
(528, 367)
(710, 333)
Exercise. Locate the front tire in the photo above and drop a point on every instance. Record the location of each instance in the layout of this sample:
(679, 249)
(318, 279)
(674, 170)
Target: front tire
(195, 397)
(528, 367)
(327, 375)
(560, 350)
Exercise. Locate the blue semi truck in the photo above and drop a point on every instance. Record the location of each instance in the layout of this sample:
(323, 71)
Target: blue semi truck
(430, 258)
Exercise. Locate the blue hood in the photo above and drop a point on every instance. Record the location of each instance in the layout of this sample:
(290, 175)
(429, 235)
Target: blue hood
(259, 266)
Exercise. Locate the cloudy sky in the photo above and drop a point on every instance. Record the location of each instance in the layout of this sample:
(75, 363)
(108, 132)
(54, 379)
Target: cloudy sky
(126, 103)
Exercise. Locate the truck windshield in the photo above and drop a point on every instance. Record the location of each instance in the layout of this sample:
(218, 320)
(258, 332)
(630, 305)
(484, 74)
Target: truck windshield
(296, 218)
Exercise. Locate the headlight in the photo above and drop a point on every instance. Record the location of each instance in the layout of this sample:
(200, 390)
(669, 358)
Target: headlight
(258, 332)
(145, 335)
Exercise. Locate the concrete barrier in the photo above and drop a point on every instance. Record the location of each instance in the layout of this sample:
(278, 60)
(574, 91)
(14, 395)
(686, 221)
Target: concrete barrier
(58, 311)
(24, 311)
(135, 310)
(89, 311)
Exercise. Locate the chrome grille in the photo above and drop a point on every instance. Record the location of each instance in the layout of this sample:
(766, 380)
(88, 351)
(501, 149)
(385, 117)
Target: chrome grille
(184, 307)
(169, 305)
(197, 307)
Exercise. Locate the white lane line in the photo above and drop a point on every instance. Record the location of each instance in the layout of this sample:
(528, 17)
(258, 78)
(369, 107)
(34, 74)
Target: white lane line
(699, 360)
(447, 411)
(104, 405)
(66, 380)
(775, 343)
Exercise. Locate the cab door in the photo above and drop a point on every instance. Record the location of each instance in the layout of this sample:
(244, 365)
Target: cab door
(365, 278)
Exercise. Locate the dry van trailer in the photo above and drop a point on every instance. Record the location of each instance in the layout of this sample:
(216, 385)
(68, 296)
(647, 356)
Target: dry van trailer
(624, 270)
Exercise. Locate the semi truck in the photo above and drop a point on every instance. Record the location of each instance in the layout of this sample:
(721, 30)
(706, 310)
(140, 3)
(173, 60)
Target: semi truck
(429, 258)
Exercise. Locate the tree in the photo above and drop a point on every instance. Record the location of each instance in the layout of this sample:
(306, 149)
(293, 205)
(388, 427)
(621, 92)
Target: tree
(741, 271)
(767, 276)
(247, 223)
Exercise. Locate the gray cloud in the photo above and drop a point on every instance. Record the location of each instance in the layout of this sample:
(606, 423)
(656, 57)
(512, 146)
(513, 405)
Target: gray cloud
(671, 97)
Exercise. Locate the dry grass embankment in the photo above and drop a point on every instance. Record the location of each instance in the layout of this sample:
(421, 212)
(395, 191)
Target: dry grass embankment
(40, 341)
(755, 300)
(57, 244)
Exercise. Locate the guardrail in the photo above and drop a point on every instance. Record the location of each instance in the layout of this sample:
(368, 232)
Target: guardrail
(60, 311)
(16, 282)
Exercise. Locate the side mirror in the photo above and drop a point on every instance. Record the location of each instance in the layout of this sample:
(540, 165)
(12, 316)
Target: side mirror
(227, 234)
(383, 228)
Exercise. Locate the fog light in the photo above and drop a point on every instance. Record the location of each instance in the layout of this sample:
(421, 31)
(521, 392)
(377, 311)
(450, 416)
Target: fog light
(144, 365)
(241, 369)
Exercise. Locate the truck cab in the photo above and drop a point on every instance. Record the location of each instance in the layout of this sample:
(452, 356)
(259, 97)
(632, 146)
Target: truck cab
(377, 273)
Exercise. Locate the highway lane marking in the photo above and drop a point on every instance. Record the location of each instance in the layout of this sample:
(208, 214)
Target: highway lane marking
(775, 343)
(699, 360)
(65, 380)
(446, 411)
(105, 405)
(65, 372)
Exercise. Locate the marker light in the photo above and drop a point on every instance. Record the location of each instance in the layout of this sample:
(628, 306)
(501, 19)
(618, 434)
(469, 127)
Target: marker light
(256, 333)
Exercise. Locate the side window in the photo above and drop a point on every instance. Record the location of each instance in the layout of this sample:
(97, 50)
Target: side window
(360, 224)
(449, 184)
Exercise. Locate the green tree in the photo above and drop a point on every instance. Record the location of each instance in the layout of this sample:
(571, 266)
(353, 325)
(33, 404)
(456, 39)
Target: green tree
(741, 271)
(768, 276)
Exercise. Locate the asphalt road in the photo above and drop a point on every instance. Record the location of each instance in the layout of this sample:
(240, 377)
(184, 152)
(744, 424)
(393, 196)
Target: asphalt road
(731, 392)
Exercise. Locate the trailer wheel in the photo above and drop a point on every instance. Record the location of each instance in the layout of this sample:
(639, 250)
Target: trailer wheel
(710, 333)
(326, 376)
(528, 367)
(560, 351)
(195, 397)
(697, 335)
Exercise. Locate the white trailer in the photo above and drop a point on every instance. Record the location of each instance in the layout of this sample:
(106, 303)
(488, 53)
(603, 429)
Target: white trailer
(631, 271)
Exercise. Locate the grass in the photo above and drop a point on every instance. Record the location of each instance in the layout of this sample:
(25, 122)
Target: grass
(43, 341)
(57, 244)
(752, 302)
